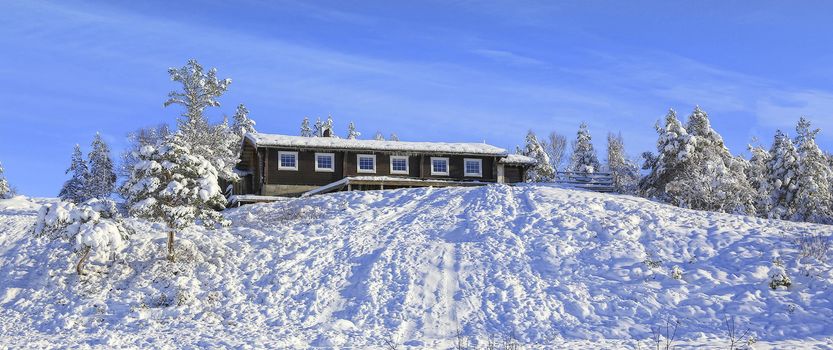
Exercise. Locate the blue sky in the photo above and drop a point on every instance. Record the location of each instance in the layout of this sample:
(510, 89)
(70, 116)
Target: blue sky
(445, 70)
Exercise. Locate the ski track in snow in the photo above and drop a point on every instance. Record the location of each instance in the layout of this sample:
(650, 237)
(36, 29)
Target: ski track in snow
(546, 265)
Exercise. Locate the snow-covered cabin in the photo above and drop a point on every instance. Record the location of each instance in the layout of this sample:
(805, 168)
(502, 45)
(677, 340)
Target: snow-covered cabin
(282, 165)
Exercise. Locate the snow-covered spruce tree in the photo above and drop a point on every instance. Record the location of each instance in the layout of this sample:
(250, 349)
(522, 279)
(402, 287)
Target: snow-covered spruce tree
(352, 134)
(242, 125)
(625, 174)
(171, 185)
(226, 150)
(542, 171)
(756, 173)
(5, 189)
(829, 157)
(584, 158)
(75, 189)
(813, 197)
(306, 131)
(136, 140)
(102, 177)
(328, 130)
(393, 137)
(782, 170)
(379, 136)
(714, 179)
(94, 226)
(318, 128)
(200, 90)
(674, 147)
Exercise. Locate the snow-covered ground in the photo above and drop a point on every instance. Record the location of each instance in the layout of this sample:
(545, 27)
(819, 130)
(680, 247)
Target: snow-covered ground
(538, 264)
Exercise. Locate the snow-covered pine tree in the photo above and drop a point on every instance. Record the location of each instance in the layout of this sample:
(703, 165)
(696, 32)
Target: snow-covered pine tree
(714, 179)
(318, 129)
(674, 147)
(584, 158)
(756, 173)
(542, 171)
(379, 136)
(102, 178)
(306, 131)
(136, 140)
(200, 90)
(782, 170)
(242, 124)
(813, 197)
(328, 130)
(393, 137)
(225, 144)
(5, 189)
(171, 185)
(624, 172)
(75, 189)
(352, 134)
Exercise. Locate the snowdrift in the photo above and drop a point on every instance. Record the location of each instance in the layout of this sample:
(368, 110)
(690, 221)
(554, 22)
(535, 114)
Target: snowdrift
(535, 264)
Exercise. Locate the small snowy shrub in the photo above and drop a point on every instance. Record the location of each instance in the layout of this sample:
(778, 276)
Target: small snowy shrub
(813, 245)
(94, 227)
(778, 275)
(676, 272)
(653, 263)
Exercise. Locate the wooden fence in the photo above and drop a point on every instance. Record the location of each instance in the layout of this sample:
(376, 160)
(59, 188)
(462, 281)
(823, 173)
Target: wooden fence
(599, 182)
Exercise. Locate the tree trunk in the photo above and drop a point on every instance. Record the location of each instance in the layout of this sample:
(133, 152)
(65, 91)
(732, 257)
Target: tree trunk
(81, 261)
(171, 245)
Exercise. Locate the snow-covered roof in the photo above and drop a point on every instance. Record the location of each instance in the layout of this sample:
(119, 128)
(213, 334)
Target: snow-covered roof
(518, 159)
(275, 140)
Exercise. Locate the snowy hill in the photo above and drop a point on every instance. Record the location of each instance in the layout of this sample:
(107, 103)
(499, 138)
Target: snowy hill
(538, 264)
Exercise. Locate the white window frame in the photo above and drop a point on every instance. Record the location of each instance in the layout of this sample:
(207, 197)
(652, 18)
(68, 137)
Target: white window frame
(332, 162)
(447, 166)
(466, 168)
(359, 160)
(407, 165)
(281, 167)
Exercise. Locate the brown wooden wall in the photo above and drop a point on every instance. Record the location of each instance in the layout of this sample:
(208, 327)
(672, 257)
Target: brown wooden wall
(513, 174)
(306, 174)
(456, 169)
(382, 165)
(249, 161)
(346, 165)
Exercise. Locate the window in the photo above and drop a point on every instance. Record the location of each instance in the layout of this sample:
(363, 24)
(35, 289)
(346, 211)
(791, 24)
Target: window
(399, 164)
(366, 163)
(324, 162)
(287, 160)
(473, 167)
(439, 166)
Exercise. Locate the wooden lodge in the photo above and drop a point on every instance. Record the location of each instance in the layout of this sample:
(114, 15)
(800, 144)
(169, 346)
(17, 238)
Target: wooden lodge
(288, 166)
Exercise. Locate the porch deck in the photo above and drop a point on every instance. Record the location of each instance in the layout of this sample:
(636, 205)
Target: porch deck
(382, 182)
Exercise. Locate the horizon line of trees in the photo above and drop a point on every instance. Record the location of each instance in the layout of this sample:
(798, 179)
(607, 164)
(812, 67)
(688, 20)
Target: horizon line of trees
(692, 168)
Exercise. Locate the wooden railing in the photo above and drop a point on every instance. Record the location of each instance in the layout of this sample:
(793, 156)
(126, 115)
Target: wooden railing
(599, 182)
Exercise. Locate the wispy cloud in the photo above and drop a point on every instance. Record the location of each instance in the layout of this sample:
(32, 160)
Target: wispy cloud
(782, 108)
(504, 56)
